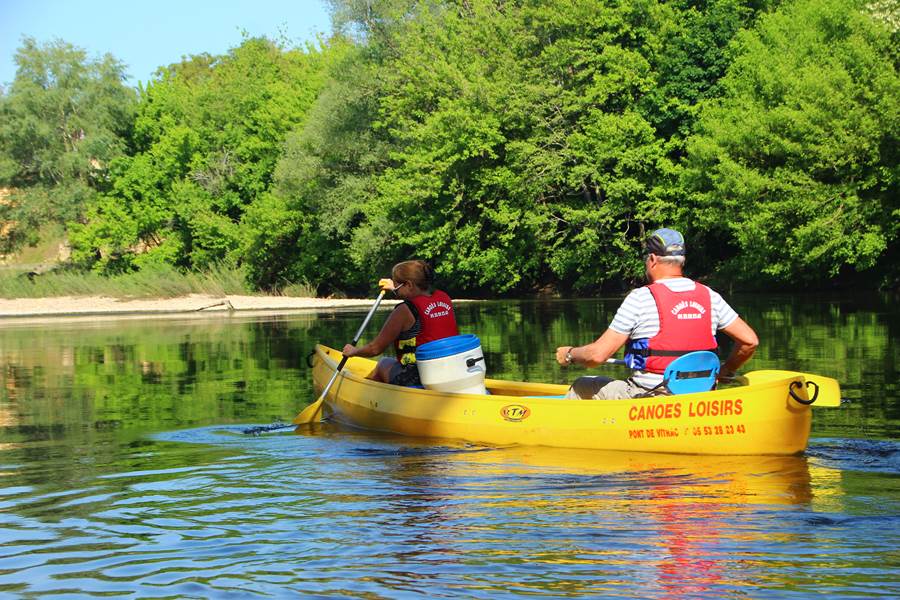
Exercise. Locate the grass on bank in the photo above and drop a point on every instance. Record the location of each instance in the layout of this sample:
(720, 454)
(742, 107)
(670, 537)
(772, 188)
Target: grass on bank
(161, 282)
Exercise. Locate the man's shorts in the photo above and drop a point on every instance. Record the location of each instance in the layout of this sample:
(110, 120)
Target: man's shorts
(606, 388)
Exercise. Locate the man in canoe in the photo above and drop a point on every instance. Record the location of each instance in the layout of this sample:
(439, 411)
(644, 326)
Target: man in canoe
(671, 316)
(423, 316)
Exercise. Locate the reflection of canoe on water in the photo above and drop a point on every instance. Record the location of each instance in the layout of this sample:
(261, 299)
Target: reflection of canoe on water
(759, 418)
(728, 480)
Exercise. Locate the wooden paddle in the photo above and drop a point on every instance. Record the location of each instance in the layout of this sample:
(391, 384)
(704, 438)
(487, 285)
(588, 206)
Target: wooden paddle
(310, 414)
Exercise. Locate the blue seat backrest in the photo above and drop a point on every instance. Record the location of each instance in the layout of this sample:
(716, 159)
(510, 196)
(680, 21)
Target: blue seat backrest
(692, 372)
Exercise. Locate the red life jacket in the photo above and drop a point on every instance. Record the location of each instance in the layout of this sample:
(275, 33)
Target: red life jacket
(685, 325)
(435, 320)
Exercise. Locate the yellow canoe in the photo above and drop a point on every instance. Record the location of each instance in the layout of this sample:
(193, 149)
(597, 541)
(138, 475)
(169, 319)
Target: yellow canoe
(756, 419)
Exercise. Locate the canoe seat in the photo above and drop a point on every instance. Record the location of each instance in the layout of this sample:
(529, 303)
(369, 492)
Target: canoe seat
(691, 373)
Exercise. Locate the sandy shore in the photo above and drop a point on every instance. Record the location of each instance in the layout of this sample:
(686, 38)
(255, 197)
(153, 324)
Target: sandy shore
(99, 306)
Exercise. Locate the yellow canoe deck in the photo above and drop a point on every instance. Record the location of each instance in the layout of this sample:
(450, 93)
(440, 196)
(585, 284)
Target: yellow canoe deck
(757, 419)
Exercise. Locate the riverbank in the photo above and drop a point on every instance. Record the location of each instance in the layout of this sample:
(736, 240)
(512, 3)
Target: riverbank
(100, 306)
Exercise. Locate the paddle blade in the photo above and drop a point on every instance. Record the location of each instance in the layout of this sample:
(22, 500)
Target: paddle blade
(310, 414)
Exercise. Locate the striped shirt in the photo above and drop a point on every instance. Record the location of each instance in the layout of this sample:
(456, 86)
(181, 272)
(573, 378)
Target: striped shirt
(638, 318)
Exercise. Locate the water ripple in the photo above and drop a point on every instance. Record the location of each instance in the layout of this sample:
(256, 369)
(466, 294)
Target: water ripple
(342, 514)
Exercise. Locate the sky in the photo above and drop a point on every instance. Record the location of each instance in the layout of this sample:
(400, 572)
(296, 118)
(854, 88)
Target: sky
(148, 34)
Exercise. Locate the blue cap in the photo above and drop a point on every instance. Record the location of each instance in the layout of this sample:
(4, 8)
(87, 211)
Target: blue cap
(665, 242)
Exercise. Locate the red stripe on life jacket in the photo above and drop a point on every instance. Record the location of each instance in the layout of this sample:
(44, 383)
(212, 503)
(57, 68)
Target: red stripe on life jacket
(685, 324)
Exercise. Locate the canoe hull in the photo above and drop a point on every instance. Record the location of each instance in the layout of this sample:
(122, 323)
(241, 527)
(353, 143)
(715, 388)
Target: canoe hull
(757, 419)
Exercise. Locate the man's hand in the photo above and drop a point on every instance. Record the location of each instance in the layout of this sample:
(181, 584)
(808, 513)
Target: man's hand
(725, 375)
(563, 357)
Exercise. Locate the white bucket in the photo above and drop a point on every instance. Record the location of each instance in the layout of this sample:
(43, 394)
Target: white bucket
(454, 364)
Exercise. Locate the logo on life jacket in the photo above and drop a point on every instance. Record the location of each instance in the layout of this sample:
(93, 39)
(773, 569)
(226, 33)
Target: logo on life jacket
(437, 309)
(684, 304)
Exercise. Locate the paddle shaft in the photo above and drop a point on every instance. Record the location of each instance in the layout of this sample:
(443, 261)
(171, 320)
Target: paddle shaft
(355, 341)
(310, 413)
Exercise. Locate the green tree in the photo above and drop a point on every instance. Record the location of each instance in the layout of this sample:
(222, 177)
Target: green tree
(694, 58)
(296, 232)
(513, 148)
(796, 163)
(63, 121)
(208, 134)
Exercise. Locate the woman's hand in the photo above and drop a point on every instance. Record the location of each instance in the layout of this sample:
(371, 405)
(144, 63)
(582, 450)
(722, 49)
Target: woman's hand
(350, 351)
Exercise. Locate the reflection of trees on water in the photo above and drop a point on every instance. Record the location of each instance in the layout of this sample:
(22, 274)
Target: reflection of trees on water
(74, 394)
(164, 373)
(519, 338)
(154, 374)
(852, 338)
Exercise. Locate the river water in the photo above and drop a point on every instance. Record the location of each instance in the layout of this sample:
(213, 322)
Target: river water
(125, 471)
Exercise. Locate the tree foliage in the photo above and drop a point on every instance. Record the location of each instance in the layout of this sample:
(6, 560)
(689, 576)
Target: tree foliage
(208, 134)
(322, 184)
(797, 161)
(63, 121)
(520, 146)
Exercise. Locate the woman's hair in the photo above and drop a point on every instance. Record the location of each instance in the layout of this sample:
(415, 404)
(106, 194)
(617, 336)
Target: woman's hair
(417, 272)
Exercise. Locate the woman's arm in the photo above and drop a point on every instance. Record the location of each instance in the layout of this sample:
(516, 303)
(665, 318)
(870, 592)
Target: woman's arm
(400, 319)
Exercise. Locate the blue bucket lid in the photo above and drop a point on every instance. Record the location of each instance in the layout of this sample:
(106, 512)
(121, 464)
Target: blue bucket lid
(447, 346)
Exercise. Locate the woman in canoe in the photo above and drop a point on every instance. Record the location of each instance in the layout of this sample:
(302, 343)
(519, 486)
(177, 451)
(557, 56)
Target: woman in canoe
(423, 316)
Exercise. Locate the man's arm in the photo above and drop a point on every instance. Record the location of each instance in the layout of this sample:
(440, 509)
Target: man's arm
(594, 353)
(745, 343)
